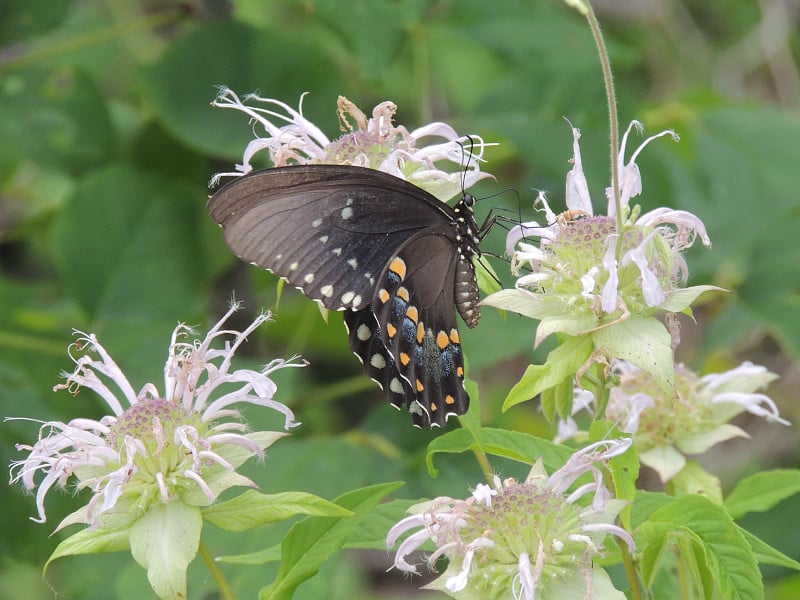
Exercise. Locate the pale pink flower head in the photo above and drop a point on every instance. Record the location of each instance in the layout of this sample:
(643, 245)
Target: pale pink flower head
(665, 430)
(433, 157)
(183, 444)
(582, 272)
(521, 540)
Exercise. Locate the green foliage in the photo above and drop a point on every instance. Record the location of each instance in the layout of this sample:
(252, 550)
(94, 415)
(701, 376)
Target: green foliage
(108, 142)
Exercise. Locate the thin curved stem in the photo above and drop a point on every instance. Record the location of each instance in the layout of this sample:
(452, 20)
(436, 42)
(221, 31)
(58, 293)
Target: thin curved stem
(225, 590)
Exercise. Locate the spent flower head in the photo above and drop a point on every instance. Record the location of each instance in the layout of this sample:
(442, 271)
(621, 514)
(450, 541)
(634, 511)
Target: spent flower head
(374, 142)
(164, 454)
(585, 272)
(697, 419)
(522, 540)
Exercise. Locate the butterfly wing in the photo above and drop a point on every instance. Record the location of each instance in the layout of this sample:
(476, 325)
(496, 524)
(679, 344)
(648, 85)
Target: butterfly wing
(327, 229)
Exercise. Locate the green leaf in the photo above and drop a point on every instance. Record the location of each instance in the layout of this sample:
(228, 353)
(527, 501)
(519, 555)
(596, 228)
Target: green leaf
(164, 541)
(564, 395)
(522, 447)
(313, 540)
(682, 299)
(645, 342)
(90, 541)
(707, 535)
(260, 557)
(253, 509)
(767, 555)
(694, 479)
(562, 363)
(762, 491)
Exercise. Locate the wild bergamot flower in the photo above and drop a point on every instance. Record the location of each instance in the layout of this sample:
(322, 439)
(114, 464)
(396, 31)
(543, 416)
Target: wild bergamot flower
(521, 541)
(375, 142)
(696, 420)
(586, 274)
(157, 459)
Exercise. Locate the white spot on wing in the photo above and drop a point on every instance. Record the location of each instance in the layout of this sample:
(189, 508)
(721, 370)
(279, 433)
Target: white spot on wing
(347, 297)
(347, 213)
(363, 332)
(326, 290)
(353, 263)
(316, 222)
(396, 386)
(309, 278)
(323, 239)
(377, 361)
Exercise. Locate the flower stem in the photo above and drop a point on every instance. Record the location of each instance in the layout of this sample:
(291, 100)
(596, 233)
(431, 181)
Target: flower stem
(225, 591)
(630, 571)
(613, 119)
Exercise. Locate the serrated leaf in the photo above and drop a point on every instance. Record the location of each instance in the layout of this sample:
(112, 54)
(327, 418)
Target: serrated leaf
(762, 491)
(313, 540)
(645, 342)
(717, 545)
(562, 363)
(522, 447)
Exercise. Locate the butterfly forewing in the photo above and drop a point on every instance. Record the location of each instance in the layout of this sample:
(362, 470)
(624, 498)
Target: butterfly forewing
(348, 237)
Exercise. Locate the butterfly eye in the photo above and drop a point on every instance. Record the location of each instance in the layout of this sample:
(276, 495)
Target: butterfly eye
(390, 255)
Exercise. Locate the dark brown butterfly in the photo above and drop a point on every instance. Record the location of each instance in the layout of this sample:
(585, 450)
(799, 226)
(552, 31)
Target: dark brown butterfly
(394, 258)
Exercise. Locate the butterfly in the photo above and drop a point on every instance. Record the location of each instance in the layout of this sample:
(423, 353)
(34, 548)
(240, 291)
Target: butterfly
(395, 259)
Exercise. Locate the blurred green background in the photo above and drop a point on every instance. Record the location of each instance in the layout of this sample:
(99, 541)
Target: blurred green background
(107, 142)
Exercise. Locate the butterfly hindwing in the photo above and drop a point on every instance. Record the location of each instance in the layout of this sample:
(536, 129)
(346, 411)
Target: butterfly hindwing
(415, 302)
(366, 343)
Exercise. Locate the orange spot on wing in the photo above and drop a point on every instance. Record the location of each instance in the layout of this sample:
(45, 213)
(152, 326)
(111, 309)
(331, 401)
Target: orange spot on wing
(442, 340)
(398, 266)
